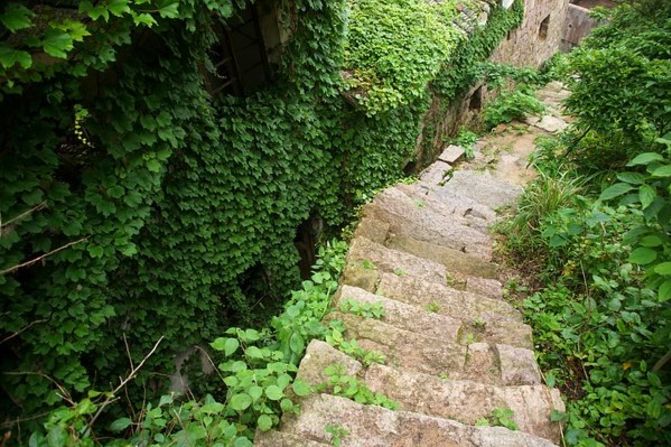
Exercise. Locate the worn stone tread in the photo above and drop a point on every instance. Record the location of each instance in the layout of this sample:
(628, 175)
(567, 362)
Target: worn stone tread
(481, 187)
(320, 355)
(367, 260)
(373, 426)
(405, 316)
(467, 401)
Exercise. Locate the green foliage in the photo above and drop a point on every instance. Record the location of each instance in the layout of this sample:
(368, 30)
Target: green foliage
(363, 309)
(466, 139)
(337, 432)
(395, 48)
(500, 417)
(341, 384)
(596, 222)
(512, 105)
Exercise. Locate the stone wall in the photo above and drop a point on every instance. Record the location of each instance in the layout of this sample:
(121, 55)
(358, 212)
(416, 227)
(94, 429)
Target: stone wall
(539, 36)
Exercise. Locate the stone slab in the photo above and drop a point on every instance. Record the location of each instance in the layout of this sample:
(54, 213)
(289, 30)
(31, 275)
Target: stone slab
(373, 426)
(480, 187)
(466, 401)
(452, 153)
(319, 356)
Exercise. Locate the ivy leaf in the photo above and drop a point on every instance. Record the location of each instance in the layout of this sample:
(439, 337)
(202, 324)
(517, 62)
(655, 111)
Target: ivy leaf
(274, 392)
(264, 422)
(120, 424)
(57, 43)
(9, 57)
(642, 256)
(94, 12)
(663, 269)
(118, 7)
(168, 9)
(153, 165)
(662, 171)
(665, 291)
(614, 191)
(646, 194)
(645, 158)
(240, 401)
(16, 17)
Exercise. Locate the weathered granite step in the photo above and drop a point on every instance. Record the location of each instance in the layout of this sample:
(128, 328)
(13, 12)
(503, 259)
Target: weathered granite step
(447, 301)
(404, 316)
(424, 320)
(406, 217)
(367, 260)
(468, 402)
(453, 260)
(276, 438)
(373, 426)
(479, 186)
(494, 364)
(464, 207)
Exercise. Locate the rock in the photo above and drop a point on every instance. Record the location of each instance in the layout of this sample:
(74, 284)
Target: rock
(466, 401)
(484, 286)
(319, 356)
(518, 365)
(548, 123)
(480, 187)
(372, 229)
(435, 173)
(452, 153)
(372, 426)
(366, 260)
(405, 316)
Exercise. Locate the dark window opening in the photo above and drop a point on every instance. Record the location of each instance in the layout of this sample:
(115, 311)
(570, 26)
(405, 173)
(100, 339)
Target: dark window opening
(307, 237)
(247, 48)
(475, 103)
(543, 30)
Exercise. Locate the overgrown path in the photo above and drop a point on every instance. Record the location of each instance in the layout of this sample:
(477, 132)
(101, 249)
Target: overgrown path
(421, 289)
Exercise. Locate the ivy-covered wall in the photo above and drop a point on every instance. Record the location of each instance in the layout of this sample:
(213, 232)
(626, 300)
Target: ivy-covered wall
(136, 206)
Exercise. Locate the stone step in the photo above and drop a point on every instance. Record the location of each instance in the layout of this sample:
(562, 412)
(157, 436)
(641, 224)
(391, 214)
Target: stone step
(474, 214)
(274, 438)
(480, 187)
(495, 364)
(448, 301)
(405, 316)
(373, 426)
(410, 217)
(367, 260)
(468, 402)
(453, 260)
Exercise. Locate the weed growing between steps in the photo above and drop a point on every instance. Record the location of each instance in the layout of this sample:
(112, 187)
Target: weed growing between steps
(339, 383)
(597, 225)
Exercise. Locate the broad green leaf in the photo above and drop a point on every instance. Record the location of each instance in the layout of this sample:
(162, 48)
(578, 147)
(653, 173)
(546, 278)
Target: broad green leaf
(645, 158)
(646, 195)
(228, 345)
(255, 392)
(274, 392)
(16, 17)
(153, 165)
(615, 190)
(296, 343)
(635, 178)
(663, 269)
(57, 43)
(264, 422)
(664, 292)
(240, 401)
(120, 424)
(168, 9)
(118, 7)
(242, 442)
(650, 241)
(301, 388)
(10, 57)
(642, 256)
(662, 171)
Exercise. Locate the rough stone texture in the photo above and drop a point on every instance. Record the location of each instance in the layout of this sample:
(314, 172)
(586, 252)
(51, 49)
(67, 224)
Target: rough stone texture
(405, 316)
(276, 438)
(430, 227)
(518, 365)
(372, 426)
(481, 187)
(435, 173)
(484, 286)
(366, 260)
(453, 302)
(526, 46)
(453, 260)
(320, 355)
(372, 229)
(548, 123)
(578, 26)
(466, 401)
(451, 154)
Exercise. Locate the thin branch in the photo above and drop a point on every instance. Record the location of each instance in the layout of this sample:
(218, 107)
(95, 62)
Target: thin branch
(111, 397)
(23, 329)
(39, 258)
(37, 207)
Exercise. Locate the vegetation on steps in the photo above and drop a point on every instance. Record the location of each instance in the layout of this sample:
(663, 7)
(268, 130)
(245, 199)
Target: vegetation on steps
(596, 227)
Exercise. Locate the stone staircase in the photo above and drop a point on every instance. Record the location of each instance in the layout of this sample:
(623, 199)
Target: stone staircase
(455, 351)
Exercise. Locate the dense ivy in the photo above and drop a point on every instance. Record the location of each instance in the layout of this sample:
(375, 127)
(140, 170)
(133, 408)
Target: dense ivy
(144, 208)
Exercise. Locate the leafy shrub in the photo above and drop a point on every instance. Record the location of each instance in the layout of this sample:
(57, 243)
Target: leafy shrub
(509, 106)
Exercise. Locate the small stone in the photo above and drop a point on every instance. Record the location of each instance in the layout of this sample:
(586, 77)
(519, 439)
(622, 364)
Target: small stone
(451, 154)
(319, 356)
